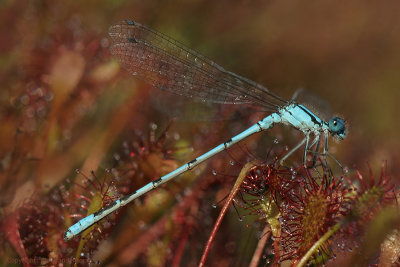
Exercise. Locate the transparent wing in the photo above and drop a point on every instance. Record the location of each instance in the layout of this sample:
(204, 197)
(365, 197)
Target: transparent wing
(190, 110)
(166, 64)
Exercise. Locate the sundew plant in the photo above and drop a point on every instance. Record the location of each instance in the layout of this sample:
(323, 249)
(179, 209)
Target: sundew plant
(78, 131)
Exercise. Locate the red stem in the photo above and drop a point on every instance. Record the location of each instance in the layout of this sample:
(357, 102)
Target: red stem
(260, 247)
(179, 251)
(224, 209)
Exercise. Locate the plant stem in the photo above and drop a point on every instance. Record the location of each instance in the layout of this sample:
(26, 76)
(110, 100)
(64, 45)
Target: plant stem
(317, 244)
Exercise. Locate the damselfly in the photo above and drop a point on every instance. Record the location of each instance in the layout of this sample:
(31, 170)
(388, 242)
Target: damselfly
(169, 65)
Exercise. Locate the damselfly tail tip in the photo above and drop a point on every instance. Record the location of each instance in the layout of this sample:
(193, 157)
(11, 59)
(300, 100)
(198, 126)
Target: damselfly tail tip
(68, 235)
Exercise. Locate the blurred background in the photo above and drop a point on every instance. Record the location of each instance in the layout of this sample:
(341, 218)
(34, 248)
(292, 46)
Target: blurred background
(65, 104)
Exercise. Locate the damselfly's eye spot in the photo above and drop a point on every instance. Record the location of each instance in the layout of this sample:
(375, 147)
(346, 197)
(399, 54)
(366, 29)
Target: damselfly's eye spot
(337, 128)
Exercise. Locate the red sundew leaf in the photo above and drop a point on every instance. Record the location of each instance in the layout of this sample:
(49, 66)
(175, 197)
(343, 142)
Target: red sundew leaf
(84, 200)
(316, 207)
(96, 203)
(147, 156)
(10, 227)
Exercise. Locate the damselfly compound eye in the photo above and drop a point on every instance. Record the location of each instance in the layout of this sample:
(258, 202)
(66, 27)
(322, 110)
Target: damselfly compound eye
(337, 128)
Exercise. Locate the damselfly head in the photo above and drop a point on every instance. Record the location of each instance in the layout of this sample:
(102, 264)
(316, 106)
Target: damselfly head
(337, 128)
